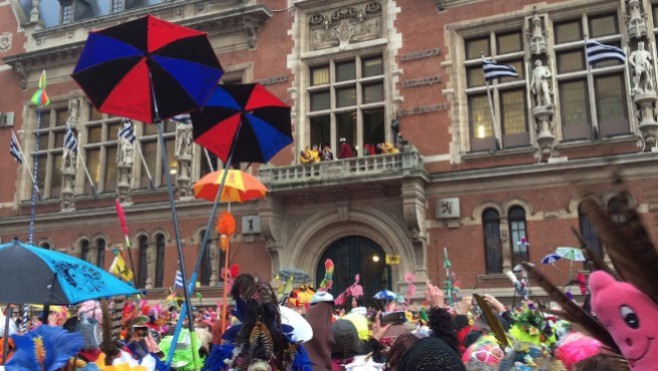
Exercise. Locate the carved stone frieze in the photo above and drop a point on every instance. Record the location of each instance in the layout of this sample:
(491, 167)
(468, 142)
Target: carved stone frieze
(345, 25)
(636, 20)
(5, 42)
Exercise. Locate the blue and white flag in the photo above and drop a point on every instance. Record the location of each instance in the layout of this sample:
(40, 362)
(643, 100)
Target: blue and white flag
(15, 150)
(493, 70)
(127, 131)
(597, 52)
(178, 284)
(183, 118)
(70, 142)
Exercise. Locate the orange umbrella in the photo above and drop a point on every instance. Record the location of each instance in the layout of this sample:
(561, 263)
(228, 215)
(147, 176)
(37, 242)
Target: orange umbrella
(239, 187)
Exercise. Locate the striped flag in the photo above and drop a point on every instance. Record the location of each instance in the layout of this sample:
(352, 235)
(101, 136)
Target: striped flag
(178, 284)
(597, 52)
(493, 70)
(14, 149)
(70, 142)
(127, 131)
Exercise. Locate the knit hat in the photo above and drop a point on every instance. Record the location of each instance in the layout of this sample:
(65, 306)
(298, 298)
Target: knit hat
(346, 340)
(431, 354)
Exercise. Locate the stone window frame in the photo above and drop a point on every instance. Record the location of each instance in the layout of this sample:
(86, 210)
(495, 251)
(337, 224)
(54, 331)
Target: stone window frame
(159, 264)
(456, 33)
(142, 280)
(42, 242)
(78, 247)
(589, 74)
(215, 255)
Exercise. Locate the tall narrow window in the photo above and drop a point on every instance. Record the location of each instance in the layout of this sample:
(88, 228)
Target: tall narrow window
(519, 235)
(616, 209)
(159, 259)
(508, 94)
(66, 11)
(142, 274)
(592, 100)
(100, 253)
(589, 233)
(84, 250)
(206, 264)
(51, 139)
(492, 244)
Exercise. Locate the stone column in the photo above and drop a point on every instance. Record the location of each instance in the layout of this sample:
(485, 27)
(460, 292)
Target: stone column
(184, 156)
(68, 188)
(541, 88)
(642, 71)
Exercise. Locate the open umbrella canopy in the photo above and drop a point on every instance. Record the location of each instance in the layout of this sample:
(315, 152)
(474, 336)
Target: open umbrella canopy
(570, 253)
(243, 119)
(298, 275)
(550, 258)
(239, 187)
(32, 274)
(387, 295)
(147, 65)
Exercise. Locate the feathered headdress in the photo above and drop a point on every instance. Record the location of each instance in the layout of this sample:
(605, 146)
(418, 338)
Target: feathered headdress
(327, 281)
(46, 348)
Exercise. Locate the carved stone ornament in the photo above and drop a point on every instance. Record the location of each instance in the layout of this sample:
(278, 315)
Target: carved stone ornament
(5, 42)
(537, 36)
(636, 22)
(345, 25)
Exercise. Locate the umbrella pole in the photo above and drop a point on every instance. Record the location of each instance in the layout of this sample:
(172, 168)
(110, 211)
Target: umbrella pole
(5, 336)
(204, 242)
(179, 248)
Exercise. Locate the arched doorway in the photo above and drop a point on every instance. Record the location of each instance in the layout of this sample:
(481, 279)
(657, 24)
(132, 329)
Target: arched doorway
(354, 255)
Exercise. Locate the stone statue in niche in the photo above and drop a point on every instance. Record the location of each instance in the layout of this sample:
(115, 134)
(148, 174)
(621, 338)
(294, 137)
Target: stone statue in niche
(68, 159)
(642, 64)
(183, 139)
(125, 152)
(540, 85)
(74, 109)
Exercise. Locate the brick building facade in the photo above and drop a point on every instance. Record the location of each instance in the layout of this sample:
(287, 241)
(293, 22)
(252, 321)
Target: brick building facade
(365, 71)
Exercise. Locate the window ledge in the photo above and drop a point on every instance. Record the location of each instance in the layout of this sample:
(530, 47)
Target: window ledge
(500, 153)
(494, 277)
(581, 143)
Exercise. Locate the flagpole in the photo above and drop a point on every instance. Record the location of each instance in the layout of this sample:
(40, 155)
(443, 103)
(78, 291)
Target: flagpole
(146, 167)
(210, 165)
(27, 166)
(590, 79)
(35, 175)
(494, 125)
(84, 166)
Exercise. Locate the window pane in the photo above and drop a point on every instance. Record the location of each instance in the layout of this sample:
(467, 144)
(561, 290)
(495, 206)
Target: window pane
(655, 13)
(509, 43)
(84, 250)
(159, 260)
(475, 48)
(93, 159)
(373, 93)
(45, 119)
(346, 97)
(94, 114)
(61, 116)
(113, 131)
(94, 134)
(475, 76)
(100, 253)
(171, 146)
(346, 71)
(568, 31)
(41, 171)
(603, 25)
(110, 169)
(142, 272)
(571, 61)
(573, 99)
(56, 175)
(373, 126)
(611, 108)
(518, 65)
(320, 131)
(372, 67)
(518, 232)
(59, 138)
(346, 125)
(479, 116)
(43, 140)
(319, 75)
(492, 244)
(589, 233)
(150, 152)
(513, 111)
(320, 101)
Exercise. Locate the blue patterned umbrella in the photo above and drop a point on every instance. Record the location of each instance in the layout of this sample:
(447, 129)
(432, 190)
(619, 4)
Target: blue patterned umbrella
(550, 258)
(386, 295)
(31, 274)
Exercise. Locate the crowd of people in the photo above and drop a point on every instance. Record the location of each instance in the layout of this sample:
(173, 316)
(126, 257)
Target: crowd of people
(316, 154)
(304, 329)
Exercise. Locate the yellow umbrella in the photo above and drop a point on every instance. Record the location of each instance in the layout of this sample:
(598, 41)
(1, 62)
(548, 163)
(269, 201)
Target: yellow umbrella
(239, 187)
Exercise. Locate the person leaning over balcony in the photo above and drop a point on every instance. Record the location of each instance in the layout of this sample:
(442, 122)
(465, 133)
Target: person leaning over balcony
(326, 154)
(387, 148)
(345, 150)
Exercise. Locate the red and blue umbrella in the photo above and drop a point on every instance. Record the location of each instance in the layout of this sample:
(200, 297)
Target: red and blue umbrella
(147, 69)
(244, 120)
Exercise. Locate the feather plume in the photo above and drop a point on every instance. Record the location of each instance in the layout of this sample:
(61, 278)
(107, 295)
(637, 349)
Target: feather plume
(593, 259)
(493, 321)
(108, 346)
(226, 224)
(630, 248)
(327, 281)
(261, 344)
(40, 352)
(572, 311)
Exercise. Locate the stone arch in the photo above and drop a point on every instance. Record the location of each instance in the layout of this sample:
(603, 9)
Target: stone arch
(576, 200)
(45, 241)
(96, 259)
(77, 245)
(606, 197)
(479, 209)
(527, 206)
(316, 234)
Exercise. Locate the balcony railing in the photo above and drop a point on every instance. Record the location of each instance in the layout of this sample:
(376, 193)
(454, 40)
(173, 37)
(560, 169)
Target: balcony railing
(352, 169)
